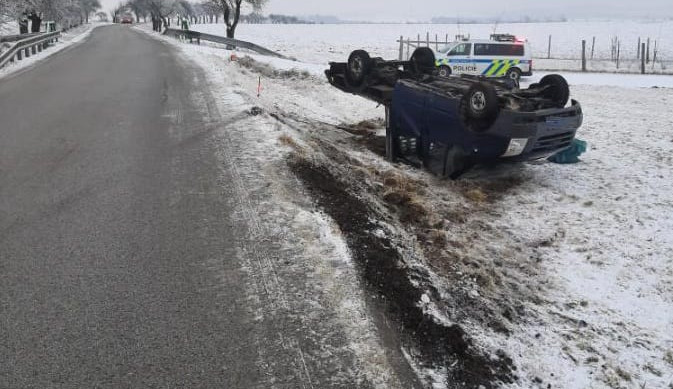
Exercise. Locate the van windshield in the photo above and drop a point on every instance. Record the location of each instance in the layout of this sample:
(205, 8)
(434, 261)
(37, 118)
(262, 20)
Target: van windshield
(461, 49)
(445, 49)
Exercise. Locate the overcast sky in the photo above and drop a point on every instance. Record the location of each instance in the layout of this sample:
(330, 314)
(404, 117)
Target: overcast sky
(422, 10)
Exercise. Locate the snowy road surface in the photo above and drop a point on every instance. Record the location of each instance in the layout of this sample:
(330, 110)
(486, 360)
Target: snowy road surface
(135, 250)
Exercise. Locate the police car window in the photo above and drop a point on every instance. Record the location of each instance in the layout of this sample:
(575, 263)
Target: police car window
(461, 49)
(498, 49)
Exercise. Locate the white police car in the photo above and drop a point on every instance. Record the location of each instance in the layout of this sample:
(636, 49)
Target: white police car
(503, 55)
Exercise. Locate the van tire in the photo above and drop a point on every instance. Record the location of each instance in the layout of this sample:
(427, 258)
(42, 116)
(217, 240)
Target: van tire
(423, 61)
(456, 162)
(557, 89)
(444, 71)
(358, 67)
(479, 107)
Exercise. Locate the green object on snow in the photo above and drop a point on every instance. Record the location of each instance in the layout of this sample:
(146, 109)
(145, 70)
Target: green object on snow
(571, 154)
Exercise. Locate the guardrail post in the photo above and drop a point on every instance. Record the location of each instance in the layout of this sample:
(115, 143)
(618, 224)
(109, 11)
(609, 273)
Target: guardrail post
(39, 47)
(19, 56)
(33, 50)
(27, 52)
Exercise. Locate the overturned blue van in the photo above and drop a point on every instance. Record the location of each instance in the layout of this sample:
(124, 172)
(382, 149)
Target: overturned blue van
(452, 123)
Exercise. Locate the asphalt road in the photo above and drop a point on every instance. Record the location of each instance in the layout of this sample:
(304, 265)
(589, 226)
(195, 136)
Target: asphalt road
(109, 216)
(119, 264)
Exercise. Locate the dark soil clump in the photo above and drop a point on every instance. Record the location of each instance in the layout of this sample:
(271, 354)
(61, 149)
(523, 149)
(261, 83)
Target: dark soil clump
(384, 271)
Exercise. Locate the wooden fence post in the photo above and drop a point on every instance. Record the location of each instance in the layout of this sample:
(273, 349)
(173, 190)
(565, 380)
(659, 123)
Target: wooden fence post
(549, 48)
(638, 49)
(408, 45)
(584, 55)
(642, 59)
(593, 44)
(618, 49)
(401, 47)
(436, 43)
(647, 59)
(446, 39)
(427, 38)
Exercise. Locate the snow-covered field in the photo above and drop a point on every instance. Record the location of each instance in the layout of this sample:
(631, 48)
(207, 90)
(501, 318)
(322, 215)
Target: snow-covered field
(333, 42)
(566, 268)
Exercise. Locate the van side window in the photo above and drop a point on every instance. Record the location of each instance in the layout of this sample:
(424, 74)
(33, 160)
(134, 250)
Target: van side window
(489, 49)
(461, 49)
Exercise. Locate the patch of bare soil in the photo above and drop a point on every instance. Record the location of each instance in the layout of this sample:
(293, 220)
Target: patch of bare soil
(386, 271)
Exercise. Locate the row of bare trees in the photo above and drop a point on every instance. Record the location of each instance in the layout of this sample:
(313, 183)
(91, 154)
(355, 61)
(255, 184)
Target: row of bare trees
(162, 11)
(64, 12)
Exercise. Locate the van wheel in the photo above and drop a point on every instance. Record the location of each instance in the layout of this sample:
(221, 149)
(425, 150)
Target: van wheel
(358, 66)
(556, 89)
(482, 101)
(479, 107)
(444, 71)
(514, 74)
(423, 61)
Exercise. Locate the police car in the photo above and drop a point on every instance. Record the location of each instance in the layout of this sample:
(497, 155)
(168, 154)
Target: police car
(504, 55)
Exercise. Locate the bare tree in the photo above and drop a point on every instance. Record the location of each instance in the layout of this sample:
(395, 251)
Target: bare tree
(117, 12)
(140, 8)
(232, 12)
(211, 9)
(161, 10)
(87, 7)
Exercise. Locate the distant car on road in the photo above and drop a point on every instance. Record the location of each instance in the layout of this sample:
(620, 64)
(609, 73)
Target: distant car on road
(127, 20)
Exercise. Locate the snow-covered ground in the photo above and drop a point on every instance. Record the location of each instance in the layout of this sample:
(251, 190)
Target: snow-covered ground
(67, 39)
(567, 268)
(333, 42)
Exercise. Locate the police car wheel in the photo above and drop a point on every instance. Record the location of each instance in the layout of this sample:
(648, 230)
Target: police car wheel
(514, 74)
(357, 68)
(444, 71)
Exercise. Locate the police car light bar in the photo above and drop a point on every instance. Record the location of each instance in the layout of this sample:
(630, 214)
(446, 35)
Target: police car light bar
(503, 37)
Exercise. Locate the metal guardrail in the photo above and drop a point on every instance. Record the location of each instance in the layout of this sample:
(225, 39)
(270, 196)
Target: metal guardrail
(199, 36)
(28, 46)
